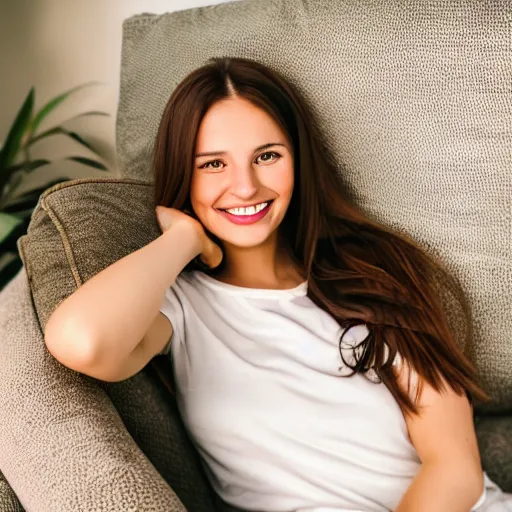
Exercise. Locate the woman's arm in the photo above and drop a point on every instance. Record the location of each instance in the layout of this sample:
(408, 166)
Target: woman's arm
(443, 434)
(103, 322)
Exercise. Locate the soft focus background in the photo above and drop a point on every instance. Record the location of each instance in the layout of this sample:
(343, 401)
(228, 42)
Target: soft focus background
(55, 45)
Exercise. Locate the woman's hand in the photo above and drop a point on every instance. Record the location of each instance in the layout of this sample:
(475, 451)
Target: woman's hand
(211, 253)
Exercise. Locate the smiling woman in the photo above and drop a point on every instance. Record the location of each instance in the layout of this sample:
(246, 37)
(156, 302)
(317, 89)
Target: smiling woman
(321, 328)
(246, 176)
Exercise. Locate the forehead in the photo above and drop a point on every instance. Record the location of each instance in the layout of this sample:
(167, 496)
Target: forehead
(236, 123)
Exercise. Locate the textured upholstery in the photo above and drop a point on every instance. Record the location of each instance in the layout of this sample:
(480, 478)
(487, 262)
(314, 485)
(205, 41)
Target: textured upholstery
(415, 103)
(414, 99)
(63, 444)
(79, 228)
(495, 441)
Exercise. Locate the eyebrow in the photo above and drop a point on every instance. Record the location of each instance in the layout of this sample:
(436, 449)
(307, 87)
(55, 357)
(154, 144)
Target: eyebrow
(265, 146)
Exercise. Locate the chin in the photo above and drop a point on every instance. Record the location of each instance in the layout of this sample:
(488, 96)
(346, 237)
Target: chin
(245, 240)
(243, 236)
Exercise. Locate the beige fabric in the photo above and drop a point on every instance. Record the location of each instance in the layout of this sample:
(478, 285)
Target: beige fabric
(63, 446)
(79, 228)
(415, 102)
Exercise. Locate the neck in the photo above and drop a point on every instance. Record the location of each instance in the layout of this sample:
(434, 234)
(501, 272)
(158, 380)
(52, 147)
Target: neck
(268, 265)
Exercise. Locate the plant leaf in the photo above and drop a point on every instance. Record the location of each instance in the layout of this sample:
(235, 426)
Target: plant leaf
(29, 198)
(26, 215)
(35, 164)
(80, 140)
(90, 113)
(87, 161)
(46, 109)
(14, 183)
(9, 240)
(8, 225)
(10, 264)
(29, 166)
(47, 133)
(18, 128)
(64, 131)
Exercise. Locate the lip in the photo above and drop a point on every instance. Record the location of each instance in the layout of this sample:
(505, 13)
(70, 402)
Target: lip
(247, 219)
(245, 205)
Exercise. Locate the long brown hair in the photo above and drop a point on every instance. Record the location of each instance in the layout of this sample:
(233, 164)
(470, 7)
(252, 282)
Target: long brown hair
(359, 271)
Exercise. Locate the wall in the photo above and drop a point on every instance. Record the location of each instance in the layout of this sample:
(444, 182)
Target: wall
(56, 45)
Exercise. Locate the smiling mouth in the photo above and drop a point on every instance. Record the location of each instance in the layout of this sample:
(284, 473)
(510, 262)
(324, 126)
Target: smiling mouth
(248, 210)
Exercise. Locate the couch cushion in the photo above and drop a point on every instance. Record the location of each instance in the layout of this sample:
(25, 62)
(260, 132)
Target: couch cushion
(79, 228)
(495, 442)
(414, 101)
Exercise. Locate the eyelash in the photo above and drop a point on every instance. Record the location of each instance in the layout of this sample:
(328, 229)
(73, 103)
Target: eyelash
(204, 166)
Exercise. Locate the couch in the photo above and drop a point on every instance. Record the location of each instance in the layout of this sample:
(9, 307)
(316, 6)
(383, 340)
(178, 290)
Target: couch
(414, 101)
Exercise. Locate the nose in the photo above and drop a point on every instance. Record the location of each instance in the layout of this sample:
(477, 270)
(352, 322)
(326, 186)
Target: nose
(244, 181)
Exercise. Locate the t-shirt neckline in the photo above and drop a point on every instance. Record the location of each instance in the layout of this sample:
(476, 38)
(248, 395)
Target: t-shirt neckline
(299, 290)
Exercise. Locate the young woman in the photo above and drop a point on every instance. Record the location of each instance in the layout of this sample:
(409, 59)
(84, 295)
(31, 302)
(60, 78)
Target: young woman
(315, 369)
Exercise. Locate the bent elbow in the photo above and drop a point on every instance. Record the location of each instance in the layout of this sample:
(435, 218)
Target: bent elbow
(68, 345)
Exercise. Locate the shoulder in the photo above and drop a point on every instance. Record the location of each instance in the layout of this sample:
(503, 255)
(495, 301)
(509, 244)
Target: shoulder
(186, 281)
(191, 288)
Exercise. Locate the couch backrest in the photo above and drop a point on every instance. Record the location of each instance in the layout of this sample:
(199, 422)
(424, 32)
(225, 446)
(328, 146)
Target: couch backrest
(414, 101)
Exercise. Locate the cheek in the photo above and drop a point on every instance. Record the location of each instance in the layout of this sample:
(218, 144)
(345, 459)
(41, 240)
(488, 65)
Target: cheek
(197, 192)
(202, 195)
(283, 182)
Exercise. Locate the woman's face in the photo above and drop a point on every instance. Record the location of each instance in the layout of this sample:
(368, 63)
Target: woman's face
(240, 191)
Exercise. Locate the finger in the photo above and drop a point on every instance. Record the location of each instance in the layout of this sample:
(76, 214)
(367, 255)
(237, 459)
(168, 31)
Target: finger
(164, 219)
(212, 255)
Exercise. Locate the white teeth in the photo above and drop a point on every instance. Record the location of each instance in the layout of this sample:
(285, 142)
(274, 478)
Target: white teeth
(251, 210)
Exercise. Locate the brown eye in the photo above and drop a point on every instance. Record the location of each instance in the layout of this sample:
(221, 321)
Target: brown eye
(269, 153)
(207, 165)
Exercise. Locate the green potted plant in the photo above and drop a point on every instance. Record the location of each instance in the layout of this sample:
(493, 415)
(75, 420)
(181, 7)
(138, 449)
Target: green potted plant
(16, 164)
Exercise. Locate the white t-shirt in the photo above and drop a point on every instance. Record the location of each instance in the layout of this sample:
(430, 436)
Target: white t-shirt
(259, 390)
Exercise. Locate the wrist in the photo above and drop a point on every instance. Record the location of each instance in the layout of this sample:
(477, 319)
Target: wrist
(186, 238)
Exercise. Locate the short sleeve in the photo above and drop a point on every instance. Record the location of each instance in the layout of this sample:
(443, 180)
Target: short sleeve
(172, 308)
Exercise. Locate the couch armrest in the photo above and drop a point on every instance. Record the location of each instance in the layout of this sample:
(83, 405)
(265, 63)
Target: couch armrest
(63, 445)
